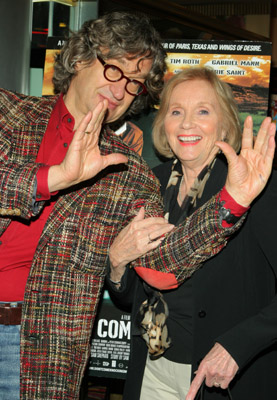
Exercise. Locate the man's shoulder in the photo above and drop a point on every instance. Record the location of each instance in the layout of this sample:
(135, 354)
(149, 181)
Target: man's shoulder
(163, 171)
(159, 169)
(25, 106)
(9, 98)
(14, 96)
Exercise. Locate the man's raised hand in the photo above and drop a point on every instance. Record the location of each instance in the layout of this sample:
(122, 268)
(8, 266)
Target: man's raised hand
(83, 159)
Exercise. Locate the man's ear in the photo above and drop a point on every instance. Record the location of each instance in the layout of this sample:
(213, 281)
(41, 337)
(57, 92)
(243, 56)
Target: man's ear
(78, 65)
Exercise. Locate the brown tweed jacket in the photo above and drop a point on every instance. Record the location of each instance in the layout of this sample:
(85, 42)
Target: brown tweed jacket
(68, 268)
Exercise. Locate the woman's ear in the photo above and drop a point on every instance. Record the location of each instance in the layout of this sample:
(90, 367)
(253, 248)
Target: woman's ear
(223, 135)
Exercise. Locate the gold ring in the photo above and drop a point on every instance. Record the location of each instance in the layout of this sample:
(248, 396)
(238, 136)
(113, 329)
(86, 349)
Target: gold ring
(87, 132)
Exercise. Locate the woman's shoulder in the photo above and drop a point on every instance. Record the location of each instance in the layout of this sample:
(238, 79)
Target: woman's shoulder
(163, 170)
(269, 194)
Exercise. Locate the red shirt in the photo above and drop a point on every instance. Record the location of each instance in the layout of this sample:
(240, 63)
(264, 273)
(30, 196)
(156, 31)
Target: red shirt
(19, 241)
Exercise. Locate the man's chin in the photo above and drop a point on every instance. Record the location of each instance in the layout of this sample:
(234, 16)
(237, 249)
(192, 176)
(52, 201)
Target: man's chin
(110, 117)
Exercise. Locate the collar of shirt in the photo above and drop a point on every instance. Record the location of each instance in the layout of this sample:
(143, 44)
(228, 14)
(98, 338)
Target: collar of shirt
(63, 119)
(58, 135)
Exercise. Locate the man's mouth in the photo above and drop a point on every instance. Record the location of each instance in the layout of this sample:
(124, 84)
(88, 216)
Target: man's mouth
(111, 104)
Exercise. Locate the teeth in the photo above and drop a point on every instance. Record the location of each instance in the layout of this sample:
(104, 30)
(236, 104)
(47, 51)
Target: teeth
(189, 138)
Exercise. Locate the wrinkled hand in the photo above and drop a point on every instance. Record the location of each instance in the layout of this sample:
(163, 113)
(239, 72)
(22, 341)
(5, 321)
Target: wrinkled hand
(83, 159)
(249, 171)
(137, 238)
(218, 368)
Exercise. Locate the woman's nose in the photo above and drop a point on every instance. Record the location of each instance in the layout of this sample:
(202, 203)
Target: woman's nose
(187, 121)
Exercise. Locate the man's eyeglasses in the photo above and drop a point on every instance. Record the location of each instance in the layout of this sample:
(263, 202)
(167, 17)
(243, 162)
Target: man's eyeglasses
(114, 74)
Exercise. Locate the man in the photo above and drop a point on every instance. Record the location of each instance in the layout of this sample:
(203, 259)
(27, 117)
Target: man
(62, 204)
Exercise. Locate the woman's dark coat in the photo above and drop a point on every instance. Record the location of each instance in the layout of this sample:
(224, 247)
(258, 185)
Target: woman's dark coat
(234, 300)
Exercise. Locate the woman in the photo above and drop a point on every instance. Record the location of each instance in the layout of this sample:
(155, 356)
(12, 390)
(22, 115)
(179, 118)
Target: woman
(222, 322)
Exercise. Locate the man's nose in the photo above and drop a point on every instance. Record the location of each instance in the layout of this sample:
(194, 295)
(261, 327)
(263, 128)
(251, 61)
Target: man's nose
(118, 89)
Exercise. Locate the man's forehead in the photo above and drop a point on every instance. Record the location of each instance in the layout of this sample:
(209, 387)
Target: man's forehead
(132, 64)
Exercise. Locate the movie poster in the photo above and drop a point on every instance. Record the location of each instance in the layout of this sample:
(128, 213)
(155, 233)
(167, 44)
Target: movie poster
(54, 44)
(110, 347)
(244, 65)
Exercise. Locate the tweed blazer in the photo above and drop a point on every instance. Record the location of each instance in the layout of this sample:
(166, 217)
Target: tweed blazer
(68, 267)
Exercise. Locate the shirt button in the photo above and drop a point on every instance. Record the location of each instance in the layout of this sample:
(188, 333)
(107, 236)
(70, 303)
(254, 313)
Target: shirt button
(202, 314)
(33, 338)
(69, 120)
(65, 145)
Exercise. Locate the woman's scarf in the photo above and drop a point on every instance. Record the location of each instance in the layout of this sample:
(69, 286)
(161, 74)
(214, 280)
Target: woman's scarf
(154, 311)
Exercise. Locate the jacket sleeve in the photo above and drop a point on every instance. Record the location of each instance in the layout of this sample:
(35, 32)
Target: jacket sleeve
(18, 189)
(18, 176)
(17, 186)
(182, 251)
(258, 332)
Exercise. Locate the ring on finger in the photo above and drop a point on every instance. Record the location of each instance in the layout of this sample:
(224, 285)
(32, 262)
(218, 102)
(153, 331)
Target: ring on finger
(216, 384)
(87, 132)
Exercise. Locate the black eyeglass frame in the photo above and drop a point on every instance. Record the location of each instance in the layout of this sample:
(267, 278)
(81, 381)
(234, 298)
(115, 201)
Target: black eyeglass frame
(122, 76)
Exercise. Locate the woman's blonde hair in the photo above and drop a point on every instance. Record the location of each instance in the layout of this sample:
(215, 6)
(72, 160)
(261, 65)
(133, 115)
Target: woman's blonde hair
(230, 116)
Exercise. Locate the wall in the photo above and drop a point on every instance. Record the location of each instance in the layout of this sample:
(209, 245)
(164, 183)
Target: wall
(15, 44)
(84, 10)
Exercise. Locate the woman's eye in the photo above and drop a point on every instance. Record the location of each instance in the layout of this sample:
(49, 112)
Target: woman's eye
(204, 112)
(175, 112)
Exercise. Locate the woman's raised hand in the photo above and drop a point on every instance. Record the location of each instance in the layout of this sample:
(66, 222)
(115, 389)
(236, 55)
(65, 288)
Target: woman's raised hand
(249, 171)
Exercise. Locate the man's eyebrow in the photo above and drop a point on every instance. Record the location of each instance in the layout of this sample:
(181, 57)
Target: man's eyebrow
(137, 70)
